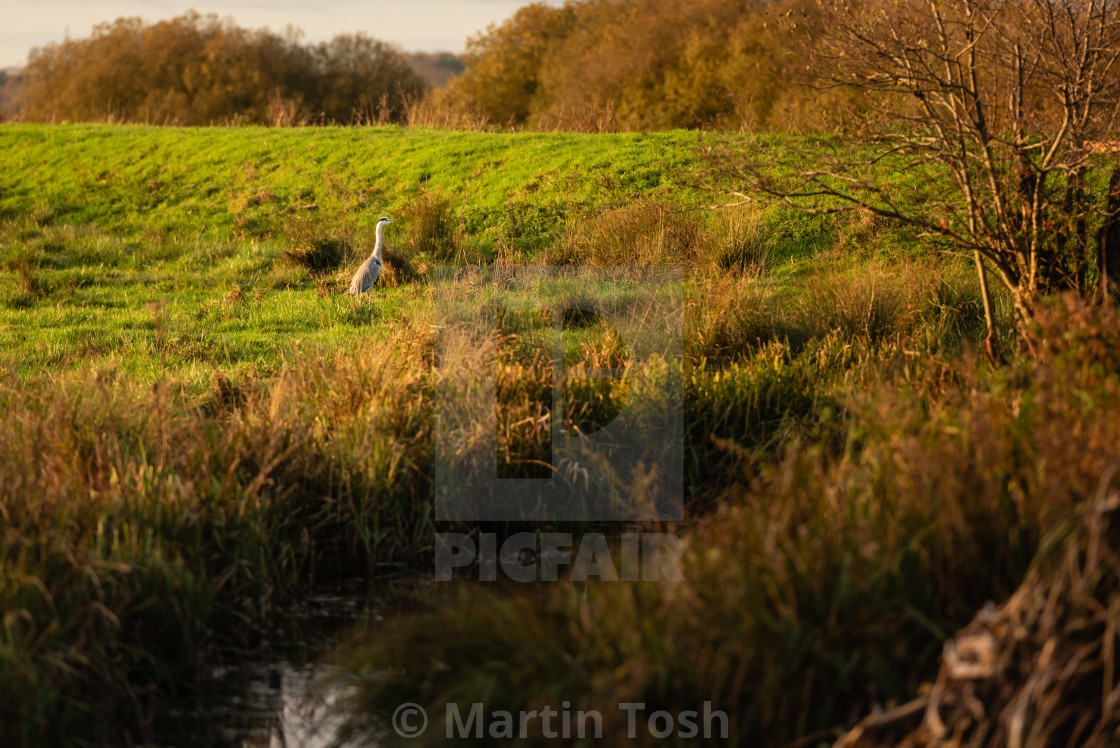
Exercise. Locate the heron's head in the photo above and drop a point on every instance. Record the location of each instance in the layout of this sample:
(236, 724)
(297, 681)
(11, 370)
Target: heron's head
(383, 220)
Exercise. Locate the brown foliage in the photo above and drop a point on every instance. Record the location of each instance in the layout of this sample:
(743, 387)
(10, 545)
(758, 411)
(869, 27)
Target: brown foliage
(639, 65)
(198, 70)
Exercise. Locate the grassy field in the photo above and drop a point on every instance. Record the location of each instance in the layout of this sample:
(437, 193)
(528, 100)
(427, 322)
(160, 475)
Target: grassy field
(162, 249)
(200, 427)
(140, 244)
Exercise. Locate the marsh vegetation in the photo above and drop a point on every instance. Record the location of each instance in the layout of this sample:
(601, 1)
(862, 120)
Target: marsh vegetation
(200, 430)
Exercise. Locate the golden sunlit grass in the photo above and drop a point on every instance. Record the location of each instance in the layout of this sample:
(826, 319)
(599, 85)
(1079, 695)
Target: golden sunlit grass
(820, 588)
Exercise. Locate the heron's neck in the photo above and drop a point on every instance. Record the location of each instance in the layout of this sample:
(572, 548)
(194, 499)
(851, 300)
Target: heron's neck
(377, 244)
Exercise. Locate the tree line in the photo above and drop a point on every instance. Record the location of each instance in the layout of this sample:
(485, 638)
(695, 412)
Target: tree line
(590, 64)
(643, 64)
(586, 65)
(201, 69)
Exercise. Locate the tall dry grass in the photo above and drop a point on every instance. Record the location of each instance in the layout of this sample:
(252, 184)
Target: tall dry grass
(922, 305)
(823, 585)
(432, 231)
(147, 531)
(653, 233)
(145, 528)
(1039, 669)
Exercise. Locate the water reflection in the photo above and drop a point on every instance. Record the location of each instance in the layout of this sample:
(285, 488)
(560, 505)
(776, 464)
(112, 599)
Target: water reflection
(275, 705)
(284, 700)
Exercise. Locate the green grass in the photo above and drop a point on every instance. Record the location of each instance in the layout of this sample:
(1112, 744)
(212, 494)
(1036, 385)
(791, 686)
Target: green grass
(213, 183)
(156, 250)
(143, 241)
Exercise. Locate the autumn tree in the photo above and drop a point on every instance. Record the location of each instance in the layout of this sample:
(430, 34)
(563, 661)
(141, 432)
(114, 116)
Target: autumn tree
(197, 70)
(1002, 112)
(674, 63)
(357, 76)
(647, 64)
(504, 64)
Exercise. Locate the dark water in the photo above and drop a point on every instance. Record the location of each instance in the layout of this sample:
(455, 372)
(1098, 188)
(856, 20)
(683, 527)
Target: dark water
(269, 704)
(287, 697)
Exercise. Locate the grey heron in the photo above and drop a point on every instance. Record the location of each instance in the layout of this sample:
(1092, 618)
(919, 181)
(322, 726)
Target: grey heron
(370, 271)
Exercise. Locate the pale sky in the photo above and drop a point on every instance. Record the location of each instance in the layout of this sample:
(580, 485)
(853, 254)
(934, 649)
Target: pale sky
(414, 25)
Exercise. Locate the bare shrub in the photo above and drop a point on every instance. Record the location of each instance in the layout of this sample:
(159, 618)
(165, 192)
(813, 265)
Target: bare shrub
(996, 101)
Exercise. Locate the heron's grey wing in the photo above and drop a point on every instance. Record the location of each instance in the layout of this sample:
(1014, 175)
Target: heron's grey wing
(366, 277)
(356, 282)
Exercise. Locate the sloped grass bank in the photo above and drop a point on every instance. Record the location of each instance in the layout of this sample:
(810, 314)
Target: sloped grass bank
(215, 182)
